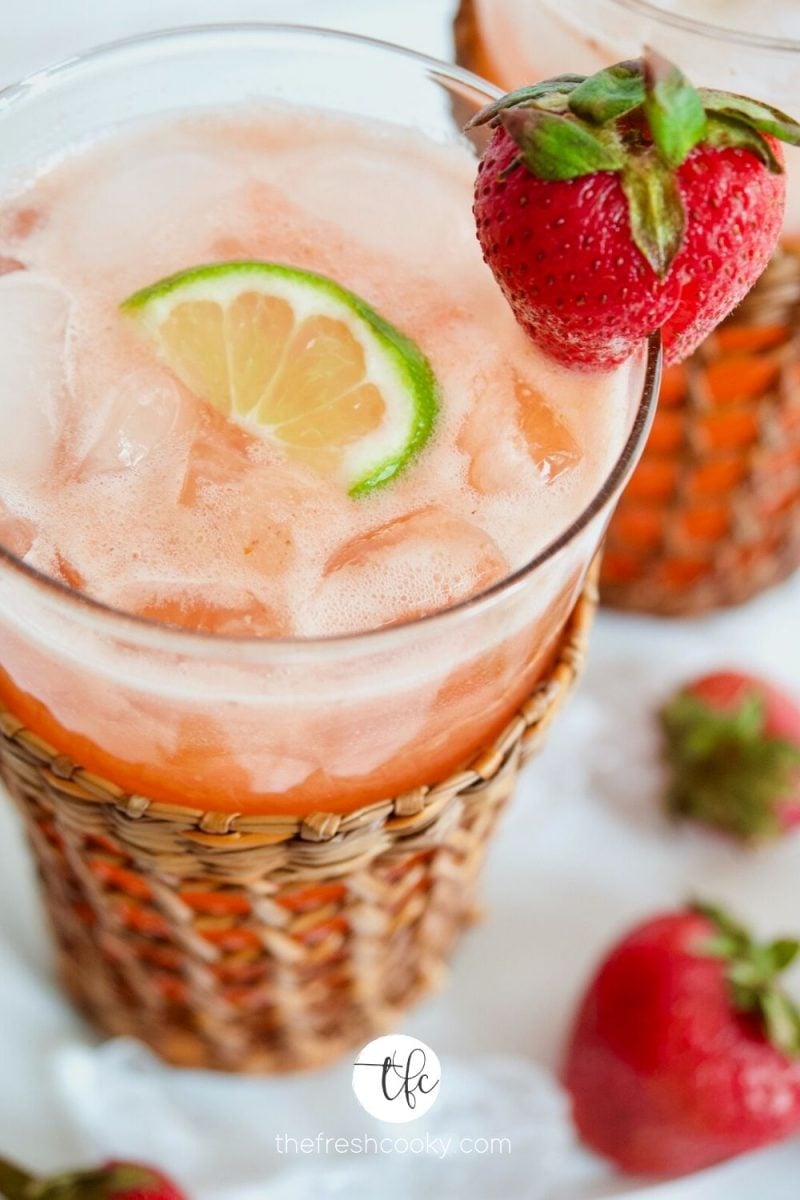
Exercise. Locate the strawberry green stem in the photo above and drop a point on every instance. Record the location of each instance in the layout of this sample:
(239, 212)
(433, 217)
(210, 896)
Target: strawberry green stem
(725, 770)
(751, 970)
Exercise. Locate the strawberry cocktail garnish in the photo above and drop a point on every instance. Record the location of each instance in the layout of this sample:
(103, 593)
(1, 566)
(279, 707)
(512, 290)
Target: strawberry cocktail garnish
(613, 206)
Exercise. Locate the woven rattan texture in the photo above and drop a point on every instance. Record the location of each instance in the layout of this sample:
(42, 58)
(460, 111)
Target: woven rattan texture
(711, 516)
(264, 943)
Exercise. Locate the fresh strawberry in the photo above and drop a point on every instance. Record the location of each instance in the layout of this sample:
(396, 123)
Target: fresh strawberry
(613, 206)
(733, 749)
(132, 1181)
(684, 1050)
(113, 1181)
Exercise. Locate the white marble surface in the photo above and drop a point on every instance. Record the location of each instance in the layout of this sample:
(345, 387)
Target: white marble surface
(581, 854)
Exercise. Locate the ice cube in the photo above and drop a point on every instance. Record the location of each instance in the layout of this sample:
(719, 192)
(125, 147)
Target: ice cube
(230, 610)
(140, 412)
(224, 454)
(245, 509)
(487, 438)
(549, 440)
(319, 180)
(510, 429)
(144, 204)
(406, 568)
(217, 458)
(34, 313)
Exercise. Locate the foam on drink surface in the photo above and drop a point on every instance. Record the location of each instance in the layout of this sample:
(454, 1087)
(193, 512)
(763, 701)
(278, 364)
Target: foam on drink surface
(120, 482)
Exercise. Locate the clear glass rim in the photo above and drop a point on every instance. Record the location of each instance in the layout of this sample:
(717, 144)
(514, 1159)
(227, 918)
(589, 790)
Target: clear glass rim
(156, 635)
(740, 37)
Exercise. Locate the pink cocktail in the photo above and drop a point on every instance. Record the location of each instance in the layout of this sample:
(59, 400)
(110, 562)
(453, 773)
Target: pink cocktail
(197, 615)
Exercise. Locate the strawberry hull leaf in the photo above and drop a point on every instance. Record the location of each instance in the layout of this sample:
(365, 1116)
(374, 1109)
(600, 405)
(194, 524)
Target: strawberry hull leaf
(781, 1021)
(609, 94)
(655, 208)
(783, 952)
(559, 147)
(726, 771)
(724, 132)
(751, 972)
(762, 117)
(560, 85)
(726, 928)
(673, 108)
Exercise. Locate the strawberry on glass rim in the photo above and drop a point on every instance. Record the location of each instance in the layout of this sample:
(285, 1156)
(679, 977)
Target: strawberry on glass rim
(627, 202)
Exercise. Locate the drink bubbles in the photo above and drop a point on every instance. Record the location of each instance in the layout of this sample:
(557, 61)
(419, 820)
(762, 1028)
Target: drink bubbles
(318, 176)
(150, 203)
(409, 566)
(130, 479)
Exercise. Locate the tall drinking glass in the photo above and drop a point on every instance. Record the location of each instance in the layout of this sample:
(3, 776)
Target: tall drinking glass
(257, 852)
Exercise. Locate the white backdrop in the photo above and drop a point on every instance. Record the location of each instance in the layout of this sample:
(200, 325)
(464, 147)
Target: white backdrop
(559, 888)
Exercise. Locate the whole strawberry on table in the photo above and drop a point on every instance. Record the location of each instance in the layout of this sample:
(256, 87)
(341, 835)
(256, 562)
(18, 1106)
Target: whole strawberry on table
(111, 1181)
(685, 1051)
(732, 746)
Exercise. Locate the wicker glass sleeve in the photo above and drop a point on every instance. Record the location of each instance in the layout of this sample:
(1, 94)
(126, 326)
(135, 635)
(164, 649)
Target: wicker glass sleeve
(711, 516)
(264, 943)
